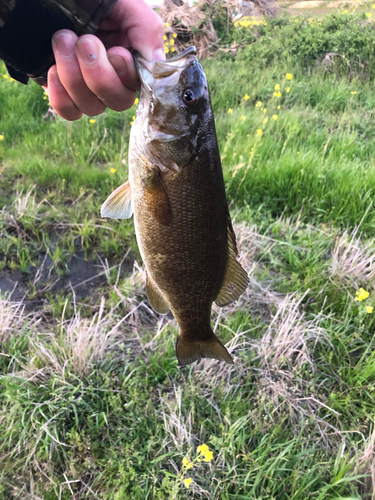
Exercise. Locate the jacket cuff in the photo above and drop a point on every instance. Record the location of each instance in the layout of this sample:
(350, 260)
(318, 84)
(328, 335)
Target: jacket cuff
(27, 27)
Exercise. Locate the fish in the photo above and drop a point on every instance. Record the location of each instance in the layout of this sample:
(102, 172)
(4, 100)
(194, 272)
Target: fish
(177, 195)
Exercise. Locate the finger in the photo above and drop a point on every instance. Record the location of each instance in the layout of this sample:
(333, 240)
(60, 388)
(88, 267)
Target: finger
(123, 62)
(59, 98)
(70, 75)
(100, 76)
(142, 28)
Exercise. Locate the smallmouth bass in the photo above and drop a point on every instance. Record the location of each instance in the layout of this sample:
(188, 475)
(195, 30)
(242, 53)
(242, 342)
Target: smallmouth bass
(176, 192)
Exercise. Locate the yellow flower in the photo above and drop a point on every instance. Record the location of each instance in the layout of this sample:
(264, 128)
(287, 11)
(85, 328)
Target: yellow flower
(361, 295)
(174, 35)
(205, 454)
(113, 170)
(289, 76)
(5, 76)
(353, 92)
(187, 482)
(173, 49)
(243, 117)
(287, 90)
(277, 94)
(278, 107)
(245, 97)
(369, 309)
(345, 11)
(136, 101)
(373, 6)
(230, 111)
(258, 104)
(368, 14)
(166, 25)
(1, 137)
(166, 49)
(277, 87)
(275, 117)
(265, 120)
(259, 132)
(202, 448)
(92, 120)
(208, 456)
(186, 463)
(165, 37)
(265, 110)
(171, 42)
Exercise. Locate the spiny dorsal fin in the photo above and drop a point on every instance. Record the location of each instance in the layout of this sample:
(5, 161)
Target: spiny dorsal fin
(118, 205)
(235, 279)
(231, 235)
(188, 352)
(156, 298)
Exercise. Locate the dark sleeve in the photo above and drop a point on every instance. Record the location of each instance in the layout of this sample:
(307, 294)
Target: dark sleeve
(27, 26)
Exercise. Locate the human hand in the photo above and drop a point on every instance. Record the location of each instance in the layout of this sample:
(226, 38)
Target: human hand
(93, 72)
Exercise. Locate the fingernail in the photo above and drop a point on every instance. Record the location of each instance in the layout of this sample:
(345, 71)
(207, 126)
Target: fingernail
(118, 63)
(55, 80)
(64, 44)
(158, 55)
(87, 51)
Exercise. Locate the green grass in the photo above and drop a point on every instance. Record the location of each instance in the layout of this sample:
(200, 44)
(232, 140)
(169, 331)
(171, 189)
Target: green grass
(92, 402)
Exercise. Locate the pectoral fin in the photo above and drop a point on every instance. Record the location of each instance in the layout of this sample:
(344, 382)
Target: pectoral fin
(155, 296)
(156, 198)
(236, 278)
(118, 205)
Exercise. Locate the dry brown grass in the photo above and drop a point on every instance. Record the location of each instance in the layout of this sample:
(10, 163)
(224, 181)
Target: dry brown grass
(79, 343)
(73, 345)
(13, 318)
(366, 465)
(353, 262)
(193, 24)
(177, 426)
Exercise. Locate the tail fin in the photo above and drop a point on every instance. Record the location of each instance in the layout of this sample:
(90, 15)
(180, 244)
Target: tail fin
(188, 352)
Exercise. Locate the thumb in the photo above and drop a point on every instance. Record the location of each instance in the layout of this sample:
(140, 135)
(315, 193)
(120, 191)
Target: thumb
(144, 28)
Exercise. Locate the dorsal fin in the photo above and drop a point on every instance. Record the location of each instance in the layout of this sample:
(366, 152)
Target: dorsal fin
(231, 235)
(236, 278)
(156, 298)
(118, 205)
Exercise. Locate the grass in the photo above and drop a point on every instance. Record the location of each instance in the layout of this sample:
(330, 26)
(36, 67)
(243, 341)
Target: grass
(92, 402)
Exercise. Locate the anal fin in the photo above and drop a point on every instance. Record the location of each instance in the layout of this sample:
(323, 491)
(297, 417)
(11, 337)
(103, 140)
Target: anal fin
(118, 205)
(158, 302)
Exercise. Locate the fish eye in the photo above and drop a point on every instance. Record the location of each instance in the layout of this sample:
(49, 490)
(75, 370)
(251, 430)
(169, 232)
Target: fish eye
(189, 98)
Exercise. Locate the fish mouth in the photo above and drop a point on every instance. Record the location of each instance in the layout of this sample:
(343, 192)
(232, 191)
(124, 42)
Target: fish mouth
(149, 70)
